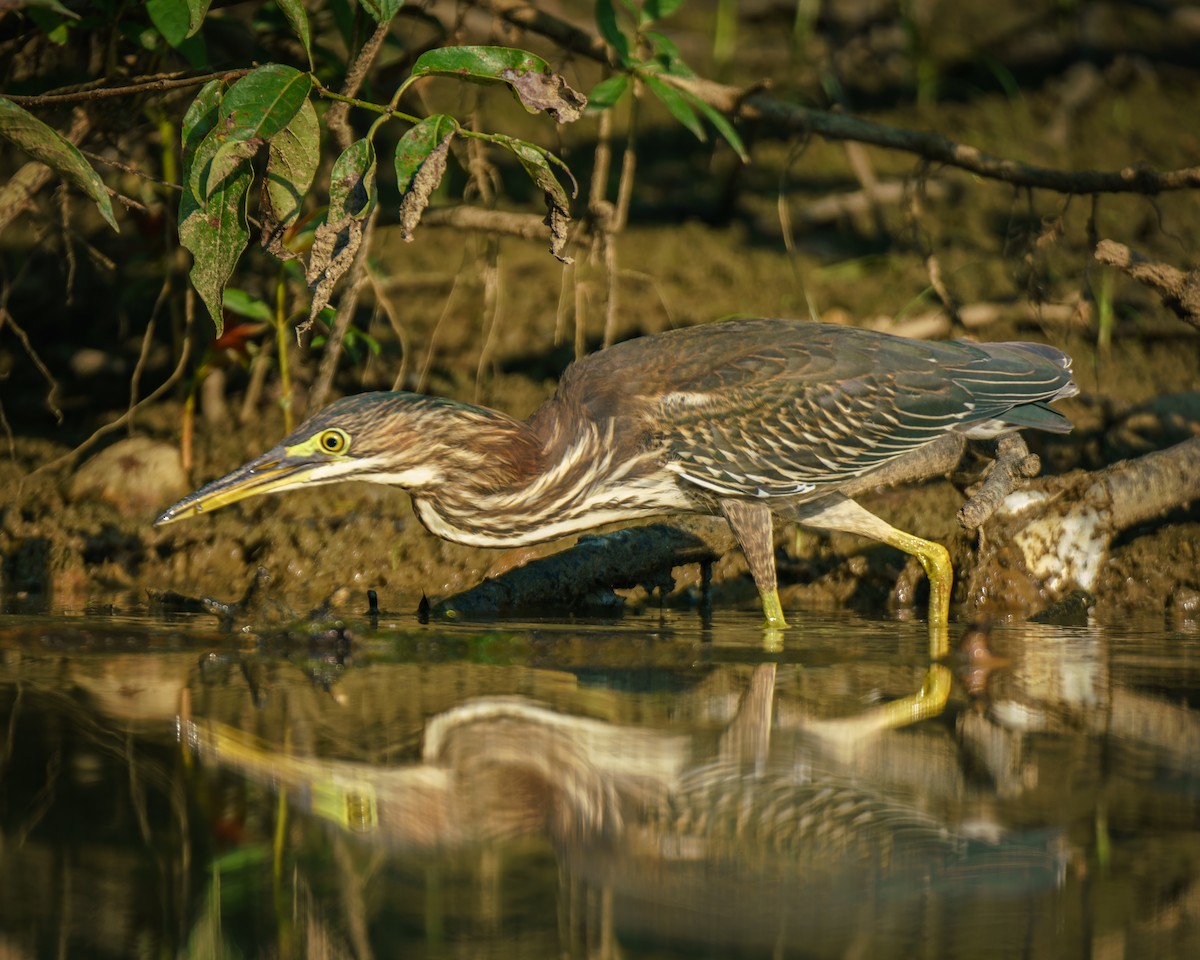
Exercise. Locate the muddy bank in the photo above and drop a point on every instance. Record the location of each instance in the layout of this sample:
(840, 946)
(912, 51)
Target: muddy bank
(69, 543)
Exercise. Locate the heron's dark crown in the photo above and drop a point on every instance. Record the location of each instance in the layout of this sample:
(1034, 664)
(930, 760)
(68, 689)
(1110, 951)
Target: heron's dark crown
(394, 430)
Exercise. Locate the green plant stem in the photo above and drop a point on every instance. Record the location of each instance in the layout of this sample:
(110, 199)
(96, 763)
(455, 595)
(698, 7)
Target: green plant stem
(628, 163)
(281, 344)
(387, 112)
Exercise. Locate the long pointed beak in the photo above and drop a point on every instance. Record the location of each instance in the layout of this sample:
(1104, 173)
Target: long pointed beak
(272, 472)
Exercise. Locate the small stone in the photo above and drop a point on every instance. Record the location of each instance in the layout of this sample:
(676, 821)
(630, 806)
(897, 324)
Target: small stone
(137, 476)
(1185, 603)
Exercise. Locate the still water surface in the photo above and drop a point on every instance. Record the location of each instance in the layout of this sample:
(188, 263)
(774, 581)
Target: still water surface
(646, 788)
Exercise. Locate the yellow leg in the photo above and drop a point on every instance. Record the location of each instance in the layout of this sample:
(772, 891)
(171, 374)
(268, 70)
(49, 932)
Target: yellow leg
(836, 512)
(927, 702)
(936, 560)
(773, 610)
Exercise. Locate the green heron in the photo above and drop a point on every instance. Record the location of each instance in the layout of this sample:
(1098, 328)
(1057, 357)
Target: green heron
(744, 418)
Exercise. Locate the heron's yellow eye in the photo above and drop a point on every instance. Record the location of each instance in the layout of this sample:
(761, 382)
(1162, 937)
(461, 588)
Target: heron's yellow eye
(333, 441)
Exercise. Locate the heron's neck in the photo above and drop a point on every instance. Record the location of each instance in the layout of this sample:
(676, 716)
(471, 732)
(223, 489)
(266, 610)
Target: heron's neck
(535, 487)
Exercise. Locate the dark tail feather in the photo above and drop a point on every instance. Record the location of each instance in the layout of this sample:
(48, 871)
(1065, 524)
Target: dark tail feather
(1038, 416)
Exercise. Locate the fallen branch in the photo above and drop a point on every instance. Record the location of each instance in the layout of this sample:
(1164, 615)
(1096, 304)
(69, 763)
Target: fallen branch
(1060, 538)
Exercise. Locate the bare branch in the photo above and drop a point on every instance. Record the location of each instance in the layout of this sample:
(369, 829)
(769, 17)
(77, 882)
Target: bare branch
(1180, 291)
(528, 226)
(755, 105)
(171, 81)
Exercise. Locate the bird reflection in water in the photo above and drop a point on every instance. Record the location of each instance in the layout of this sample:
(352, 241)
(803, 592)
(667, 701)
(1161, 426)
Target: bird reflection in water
(758, 840)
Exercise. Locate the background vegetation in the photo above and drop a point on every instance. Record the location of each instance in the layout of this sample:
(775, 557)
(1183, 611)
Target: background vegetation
(932, 167)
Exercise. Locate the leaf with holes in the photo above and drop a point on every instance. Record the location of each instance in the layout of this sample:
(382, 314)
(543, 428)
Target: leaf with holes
(47, 145)
(538, 87)
(352, 190)
(352, 199)
(212, 228)
(420, 165)
(292, 159)
(558, 204)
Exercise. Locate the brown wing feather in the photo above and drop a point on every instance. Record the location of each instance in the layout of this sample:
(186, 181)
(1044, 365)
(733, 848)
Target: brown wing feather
(778, 407)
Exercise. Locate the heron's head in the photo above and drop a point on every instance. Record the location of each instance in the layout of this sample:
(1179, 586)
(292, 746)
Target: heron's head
(402, 439)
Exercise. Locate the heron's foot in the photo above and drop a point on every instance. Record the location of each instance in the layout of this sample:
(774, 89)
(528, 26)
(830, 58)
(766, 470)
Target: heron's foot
(773, 610)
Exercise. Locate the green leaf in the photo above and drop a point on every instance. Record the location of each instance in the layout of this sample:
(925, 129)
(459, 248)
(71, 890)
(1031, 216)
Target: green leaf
(352, 190)
(228, 160)
(56, 27)
(256, 109)
(198, 121)
(199, 143)
(382, 10)
(418, 143)
(43, 4)
(170, 18)
(292, 159)
(197, 11)
(537, 86)
(264, 101)
(722, 124)
(213, 229)
(607, 92)
(606, 21)
(674, 101)
(216, 234)
(657, 9)
(246, 305)
(667, 53)
(47, 145)
(420, 165)
(298, 18)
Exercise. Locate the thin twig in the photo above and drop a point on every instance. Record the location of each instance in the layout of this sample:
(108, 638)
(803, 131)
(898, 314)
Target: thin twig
(528, 226)
(790, 118)
(174, 378)
(52, 396)
(147, 338)
(8, 433)
(491, 308)
(64, 211)
(132, 171)
(169, 82)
